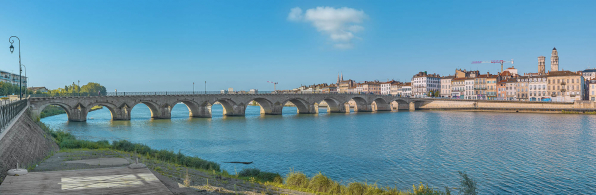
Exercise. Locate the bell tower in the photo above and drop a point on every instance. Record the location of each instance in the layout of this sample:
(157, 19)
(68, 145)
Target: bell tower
(541, 67)
(554, 60)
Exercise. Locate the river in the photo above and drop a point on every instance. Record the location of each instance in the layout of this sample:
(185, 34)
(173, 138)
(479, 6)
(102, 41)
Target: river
(505, 152)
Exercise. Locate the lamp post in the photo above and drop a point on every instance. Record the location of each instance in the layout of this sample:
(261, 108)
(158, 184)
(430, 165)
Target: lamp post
(193, 88)
(11, 41)
(25, 78)
(205, 87)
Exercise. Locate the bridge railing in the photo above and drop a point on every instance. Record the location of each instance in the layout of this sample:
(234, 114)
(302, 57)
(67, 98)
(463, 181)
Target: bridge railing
(9, 110)
(173, 93)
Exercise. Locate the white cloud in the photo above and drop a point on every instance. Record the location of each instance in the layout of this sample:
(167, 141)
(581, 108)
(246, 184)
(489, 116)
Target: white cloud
(339, 24)
(295, 14)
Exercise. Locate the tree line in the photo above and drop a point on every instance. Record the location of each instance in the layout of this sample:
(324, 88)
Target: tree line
(10, 89)
(90, 88)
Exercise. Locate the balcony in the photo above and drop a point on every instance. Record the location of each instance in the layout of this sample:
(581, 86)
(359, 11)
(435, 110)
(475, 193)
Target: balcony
(563, 83)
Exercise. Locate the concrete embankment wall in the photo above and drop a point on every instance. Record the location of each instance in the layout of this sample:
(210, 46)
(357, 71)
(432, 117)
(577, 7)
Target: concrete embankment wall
(24, 142)
(507, 106)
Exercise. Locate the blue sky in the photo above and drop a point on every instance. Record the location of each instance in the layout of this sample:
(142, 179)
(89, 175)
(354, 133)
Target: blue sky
(163, 45)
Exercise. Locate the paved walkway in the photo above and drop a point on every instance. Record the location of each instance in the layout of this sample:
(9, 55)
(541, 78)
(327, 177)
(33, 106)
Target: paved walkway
(117, 180)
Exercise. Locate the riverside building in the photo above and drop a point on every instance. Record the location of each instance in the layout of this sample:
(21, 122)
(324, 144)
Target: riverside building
(469, 87)
(537, 88)
(565, 86)
(446, 86)
(458, 88)
(423, 83)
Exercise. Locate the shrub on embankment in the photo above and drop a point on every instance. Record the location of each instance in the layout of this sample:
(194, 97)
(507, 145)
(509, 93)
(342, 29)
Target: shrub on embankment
(321, 184)
(68, 141)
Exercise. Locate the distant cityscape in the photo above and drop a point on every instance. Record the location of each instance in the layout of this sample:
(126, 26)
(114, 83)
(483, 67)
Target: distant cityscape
(554, 85)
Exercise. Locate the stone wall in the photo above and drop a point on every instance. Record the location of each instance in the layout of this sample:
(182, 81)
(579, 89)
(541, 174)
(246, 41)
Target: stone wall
(507, 105)
(24, 142)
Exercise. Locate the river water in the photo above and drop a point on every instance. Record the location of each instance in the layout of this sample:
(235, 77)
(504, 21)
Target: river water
(505, 152)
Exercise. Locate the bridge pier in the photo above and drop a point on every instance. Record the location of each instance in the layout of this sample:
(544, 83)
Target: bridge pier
(122, 113)
(237, 110)
(275, 110)
(338, 109)
(383, 107)
(310, 109)
(165, 112)
(202, 112)
(363, 108)
(412, 106)
(78, 114)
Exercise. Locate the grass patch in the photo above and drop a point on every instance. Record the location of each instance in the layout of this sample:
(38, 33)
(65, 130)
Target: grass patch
(67, 141)
(261, 176)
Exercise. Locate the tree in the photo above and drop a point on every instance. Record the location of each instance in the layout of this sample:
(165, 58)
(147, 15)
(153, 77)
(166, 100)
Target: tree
(92, 88)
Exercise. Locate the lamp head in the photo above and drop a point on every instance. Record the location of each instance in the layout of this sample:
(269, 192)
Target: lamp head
(11, 48)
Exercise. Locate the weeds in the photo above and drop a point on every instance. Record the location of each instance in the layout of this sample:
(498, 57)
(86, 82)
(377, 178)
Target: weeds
(260, 175)
(297, 179)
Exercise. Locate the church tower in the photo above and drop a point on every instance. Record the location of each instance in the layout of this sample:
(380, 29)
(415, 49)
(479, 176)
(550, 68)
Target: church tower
(554, 60)
(541, 67)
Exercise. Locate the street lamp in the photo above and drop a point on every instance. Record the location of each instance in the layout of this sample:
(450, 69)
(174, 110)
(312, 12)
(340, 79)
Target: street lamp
(25, 78)
(11, 41)
(193, 88)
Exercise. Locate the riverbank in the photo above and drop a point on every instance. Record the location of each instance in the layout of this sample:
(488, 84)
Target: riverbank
(206, 176)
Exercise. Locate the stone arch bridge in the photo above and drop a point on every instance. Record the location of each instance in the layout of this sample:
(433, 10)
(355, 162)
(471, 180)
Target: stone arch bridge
(161, 106)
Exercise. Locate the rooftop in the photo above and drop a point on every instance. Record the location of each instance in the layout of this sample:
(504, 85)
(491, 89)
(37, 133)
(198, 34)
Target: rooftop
(562, 73)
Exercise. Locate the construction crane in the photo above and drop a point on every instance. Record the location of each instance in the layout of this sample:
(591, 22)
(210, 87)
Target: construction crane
(274, 84)
(493, 62)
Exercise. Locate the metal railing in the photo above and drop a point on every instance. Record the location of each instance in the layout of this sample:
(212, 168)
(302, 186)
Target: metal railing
(9, 110)
(179, 93)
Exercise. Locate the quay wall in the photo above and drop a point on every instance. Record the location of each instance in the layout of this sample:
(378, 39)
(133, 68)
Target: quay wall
(516, 106)
(24, 142)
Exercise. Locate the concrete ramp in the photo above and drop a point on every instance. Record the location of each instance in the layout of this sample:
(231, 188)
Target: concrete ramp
(119, 180)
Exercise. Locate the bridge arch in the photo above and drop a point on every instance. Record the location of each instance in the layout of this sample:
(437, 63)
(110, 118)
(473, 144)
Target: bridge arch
(65, 107)
(114, 110)
(267, 106)
(230, 107)
(399, 104)
(154, 108)
(333, 105)
(361, 105)
(380, 104)
(303, 106)
(193, 107)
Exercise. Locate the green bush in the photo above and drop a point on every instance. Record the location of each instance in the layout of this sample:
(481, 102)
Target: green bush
(249, 172)
(297, 179)
(260, 175)
(268, 176)
(321, 183)
(356, 188)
